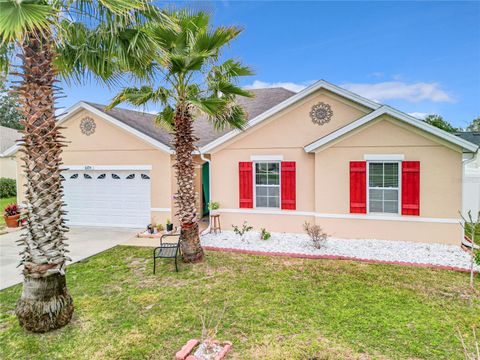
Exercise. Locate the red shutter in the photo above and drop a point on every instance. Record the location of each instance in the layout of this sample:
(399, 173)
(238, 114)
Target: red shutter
(288, 185)
(245, 181)
(358, 187)
(411, 188)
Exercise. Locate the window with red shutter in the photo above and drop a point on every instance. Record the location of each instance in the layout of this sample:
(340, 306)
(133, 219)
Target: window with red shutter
(245, 184)
(288, 185)
(358, 187)
(411, 188)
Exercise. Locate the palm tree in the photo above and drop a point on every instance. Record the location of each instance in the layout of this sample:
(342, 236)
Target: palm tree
(193, 82)
(56, 38)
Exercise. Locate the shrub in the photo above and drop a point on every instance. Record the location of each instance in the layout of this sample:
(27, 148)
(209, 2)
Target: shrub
(11, 210)
(245, 228)
(316, 234)
(265, 235)
(8, 188)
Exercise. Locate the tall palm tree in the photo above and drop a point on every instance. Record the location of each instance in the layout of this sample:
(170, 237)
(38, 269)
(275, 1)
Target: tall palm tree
(193, 82)
(56, 38)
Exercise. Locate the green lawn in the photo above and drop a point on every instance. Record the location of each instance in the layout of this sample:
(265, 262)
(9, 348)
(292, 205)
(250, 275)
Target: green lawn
(275, 308)
(4, 202)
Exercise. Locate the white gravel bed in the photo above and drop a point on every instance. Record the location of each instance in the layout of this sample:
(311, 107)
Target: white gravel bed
(384, 250)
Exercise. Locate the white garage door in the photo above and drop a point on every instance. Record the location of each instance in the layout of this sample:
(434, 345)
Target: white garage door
(107, 198)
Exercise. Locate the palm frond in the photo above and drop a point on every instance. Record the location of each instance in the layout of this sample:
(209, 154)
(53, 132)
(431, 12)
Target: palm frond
(133, 95)
(165, 118)
(17, 18)
(229, 89)
(211, 106)
(233, 116)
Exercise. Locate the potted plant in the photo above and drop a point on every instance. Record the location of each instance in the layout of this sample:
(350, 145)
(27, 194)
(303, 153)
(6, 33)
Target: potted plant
(213, 207)
(11, 215)
(160, 228)
(169, 226)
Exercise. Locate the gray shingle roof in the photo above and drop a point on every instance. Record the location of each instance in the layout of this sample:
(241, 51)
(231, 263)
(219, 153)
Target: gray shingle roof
(472, 136)
(8, 137)
(144, 122)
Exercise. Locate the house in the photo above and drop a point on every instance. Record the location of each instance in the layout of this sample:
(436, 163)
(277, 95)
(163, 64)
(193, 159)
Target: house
(324, 155)
(8, 164)
(471, 176)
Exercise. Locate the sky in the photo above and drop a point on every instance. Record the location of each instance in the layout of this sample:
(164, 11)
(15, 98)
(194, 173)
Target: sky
(419, 57)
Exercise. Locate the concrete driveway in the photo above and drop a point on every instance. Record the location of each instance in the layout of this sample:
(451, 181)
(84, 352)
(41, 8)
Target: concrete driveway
(83, 242)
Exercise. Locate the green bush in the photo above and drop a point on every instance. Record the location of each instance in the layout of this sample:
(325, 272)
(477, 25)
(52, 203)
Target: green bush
(8, 188)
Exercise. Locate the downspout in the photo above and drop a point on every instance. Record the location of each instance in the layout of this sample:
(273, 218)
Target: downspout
(202, 156)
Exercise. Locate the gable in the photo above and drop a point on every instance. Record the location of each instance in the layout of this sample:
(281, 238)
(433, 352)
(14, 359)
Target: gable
(293, 127)
(106, 137)
(387, 131)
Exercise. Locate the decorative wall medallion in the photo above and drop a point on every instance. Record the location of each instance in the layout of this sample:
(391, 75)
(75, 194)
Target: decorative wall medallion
(321, 113)
(87, 126)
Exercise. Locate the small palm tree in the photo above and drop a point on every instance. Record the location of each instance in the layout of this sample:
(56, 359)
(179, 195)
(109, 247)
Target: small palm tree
(193, 82)
(58, 38)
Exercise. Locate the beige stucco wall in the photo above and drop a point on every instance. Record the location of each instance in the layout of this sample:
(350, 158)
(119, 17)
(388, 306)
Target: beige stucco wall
(8, 167)
(110, 145)
(323, 177)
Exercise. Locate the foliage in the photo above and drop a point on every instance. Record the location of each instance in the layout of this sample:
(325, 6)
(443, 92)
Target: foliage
(213, 205)
(169, 222)
(264, 234)
(11, 210)
(9, 114)
(439, 122)
(471, 228)
(8, 188)
(316, 234)
(160, 227)
(474, 125)
(241, 231)
(360, 310)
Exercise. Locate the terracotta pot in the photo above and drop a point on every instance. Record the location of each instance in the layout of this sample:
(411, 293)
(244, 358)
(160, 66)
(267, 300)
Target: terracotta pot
(12, 221)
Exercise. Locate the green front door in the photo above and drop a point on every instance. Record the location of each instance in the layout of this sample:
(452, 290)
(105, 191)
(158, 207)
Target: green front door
(205, 187)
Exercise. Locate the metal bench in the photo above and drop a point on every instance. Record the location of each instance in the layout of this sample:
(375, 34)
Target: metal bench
(169, 250)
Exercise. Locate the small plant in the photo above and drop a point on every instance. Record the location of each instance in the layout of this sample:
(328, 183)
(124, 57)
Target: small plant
(472, 228)
(169, 222)
(316, 234)
(213, 205)
(11, 210)
(160, 227)
(264, 234)
(245, 228)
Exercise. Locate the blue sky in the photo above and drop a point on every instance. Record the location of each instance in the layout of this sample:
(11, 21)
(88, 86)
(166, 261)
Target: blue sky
(420, 57)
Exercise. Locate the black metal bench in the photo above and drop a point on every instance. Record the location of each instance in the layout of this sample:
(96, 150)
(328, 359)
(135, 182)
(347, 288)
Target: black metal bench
(166, 251)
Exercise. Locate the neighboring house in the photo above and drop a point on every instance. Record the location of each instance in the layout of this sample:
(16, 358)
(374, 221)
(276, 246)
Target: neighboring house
(471, 176)
(358, 168)
(8, 164)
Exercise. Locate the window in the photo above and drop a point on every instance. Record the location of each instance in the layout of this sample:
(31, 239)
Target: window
(86, 176)
(115, 176)
(145, 177)
(267, 184)
(383, 187)
(101, 176)
(74, 176)
(130, 177)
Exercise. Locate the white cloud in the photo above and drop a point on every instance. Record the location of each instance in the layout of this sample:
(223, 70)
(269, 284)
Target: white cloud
(257, 84)
(389, 90)
(419, 115)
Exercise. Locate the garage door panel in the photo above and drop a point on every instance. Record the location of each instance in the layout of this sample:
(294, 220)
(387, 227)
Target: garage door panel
(107, 198)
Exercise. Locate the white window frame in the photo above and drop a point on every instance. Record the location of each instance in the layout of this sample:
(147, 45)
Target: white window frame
(254, 172)
(399, 209)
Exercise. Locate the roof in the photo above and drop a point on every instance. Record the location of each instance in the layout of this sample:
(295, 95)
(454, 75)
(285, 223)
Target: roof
(203, 129)
(8, 138)
(472, 136)
(387, 110)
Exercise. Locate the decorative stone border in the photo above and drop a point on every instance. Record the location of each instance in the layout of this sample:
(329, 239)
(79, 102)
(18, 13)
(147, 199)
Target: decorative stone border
(186, 352)
(337, 257)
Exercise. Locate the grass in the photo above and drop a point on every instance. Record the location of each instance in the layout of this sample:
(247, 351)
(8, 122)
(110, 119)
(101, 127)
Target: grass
(4, 202)
(275, 308)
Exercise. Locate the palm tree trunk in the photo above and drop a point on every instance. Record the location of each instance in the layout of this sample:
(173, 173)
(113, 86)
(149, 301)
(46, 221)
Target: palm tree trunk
(185, 198)
(45, 303)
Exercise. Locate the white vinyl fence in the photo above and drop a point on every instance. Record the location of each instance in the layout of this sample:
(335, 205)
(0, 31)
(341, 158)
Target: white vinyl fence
(471, 191)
